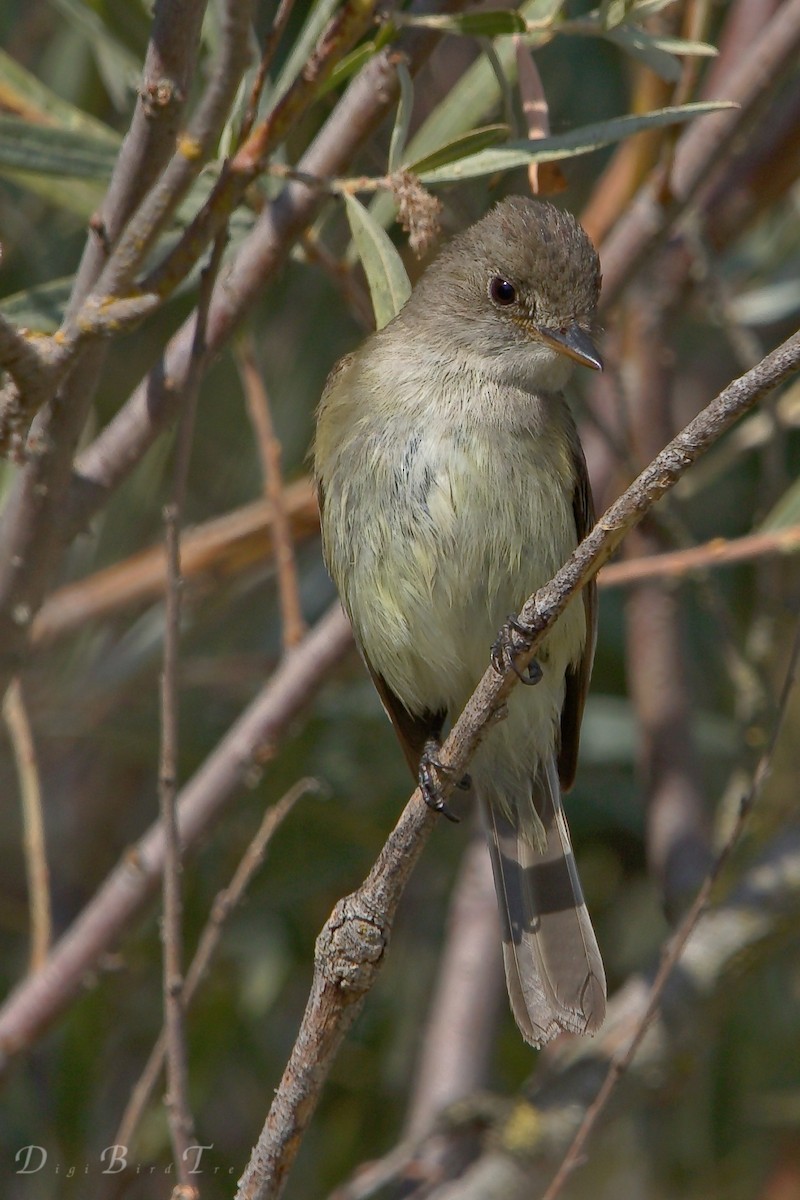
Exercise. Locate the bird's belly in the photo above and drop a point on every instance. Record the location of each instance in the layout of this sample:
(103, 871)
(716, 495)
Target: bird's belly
(447, 575)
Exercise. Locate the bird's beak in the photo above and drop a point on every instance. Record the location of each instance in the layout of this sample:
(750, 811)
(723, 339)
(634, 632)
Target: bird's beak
(573, 342)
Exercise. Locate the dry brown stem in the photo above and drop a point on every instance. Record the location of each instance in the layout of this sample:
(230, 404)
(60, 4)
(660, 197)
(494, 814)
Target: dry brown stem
(15, 714)
(269, 449)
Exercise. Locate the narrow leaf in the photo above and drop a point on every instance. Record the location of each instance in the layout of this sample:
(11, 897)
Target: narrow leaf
(46, 150)
(785, 512)
(309, 35)
(25, 96)
(476, 24)
(402, 121)
(634, 42)
(356, 59)
(460, 147)
(119, 69)
(40, 307)
(388, 282)
(568, 145)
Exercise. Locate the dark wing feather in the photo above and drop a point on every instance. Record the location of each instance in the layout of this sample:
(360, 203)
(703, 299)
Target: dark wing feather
(578, 677)
(412, 731)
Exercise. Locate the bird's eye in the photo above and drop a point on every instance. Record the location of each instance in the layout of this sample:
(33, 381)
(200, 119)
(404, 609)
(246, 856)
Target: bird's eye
(502, 292)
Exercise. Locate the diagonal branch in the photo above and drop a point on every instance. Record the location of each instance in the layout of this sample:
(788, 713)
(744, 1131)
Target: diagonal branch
(233, 764)
(351, 947)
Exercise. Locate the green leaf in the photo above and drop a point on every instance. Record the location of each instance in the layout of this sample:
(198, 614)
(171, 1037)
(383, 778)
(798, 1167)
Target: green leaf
(27, 97)
(119, 69)
(613, 12)
(460, 147)
(40, 307)
(476, 24)
(539, 12)
(657, 52)
(80, 197)
(388, 282)
(568, 145)
(46, 150)
(402, 122)
(634, 42)
(309, 35)
(647, 8)
(675, 45)
(785, 512)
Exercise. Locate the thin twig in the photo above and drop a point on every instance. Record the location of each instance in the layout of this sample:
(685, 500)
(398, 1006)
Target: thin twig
(622, 1061)
(217, 549)
(221, 909)
(234, 763)
(270, 46)
(701, 150)
(181, 1123)
(344, 30)
(352, 944)
(33, 533)
(719, 552)
(108, 461)
(269, 449)
(34, 845)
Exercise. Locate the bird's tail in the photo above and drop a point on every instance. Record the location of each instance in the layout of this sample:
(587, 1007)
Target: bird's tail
(554, 971)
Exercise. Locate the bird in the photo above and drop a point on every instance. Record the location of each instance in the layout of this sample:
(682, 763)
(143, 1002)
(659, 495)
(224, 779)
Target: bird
(451, 485)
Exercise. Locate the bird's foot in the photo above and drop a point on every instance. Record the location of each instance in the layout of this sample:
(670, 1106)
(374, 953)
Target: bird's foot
(512, 638)
(431, 772)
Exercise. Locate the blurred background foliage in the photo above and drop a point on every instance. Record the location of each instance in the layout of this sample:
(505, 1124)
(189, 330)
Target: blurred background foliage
(724, 1124)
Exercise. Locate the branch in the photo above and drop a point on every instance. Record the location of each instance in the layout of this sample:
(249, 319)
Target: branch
(169, 67)
(269, 452)
(224, 903)
(212, 551)
(194, 149)
(700, 149)
(622, 1060)
(521, 1136)
(108, 461)
(33, 533)
(15, 714)
(720, 552)
(181, 1124)
(351, 947)
(234, 763)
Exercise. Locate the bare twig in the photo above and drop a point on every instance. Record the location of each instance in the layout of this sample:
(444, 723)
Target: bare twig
(234, 763)
(194, 149)
(224, 904)
(181, 1123)
(753, 922)
(271, 43)
(701, 149)
(621, 1062)
(220, 548)
(34, 844)
(456, 1041)
(33, 533)
(150, 143)
(677, 828)
(721, 552)
(105, 464)
(269, 449)
(349, 23)
(351, 946)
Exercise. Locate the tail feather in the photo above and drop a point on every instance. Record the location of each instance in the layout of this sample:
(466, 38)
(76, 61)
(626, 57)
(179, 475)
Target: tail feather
(554, 971)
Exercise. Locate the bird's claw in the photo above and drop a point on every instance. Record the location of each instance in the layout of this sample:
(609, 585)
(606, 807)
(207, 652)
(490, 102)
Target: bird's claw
(431, 769)
(506, 646)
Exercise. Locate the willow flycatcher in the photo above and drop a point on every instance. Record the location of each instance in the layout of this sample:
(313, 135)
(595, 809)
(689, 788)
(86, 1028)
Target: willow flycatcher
(452, 485)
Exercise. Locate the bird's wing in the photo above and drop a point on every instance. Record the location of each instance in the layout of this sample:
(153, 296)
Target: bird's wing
(578, 676)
